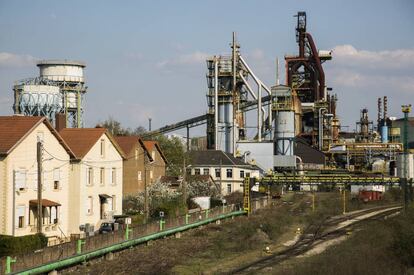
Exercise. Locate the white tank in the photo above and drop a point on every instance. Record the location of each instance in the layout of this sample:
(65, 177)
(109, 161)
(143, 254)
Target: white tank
(41, 100)
(62, 70)
(284, 132)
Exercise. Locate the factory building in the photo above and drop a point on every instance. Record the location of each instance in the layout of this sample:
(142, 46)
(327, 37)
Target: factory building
(227, 171)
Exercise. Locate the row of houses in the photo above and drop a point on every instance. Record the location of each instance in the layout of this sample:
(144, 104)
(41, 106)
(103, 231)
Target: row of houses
(85, 173)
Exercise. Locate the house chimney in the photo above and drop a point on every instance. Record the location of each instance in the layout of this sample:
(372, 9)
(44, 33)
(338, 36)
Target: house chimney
(60, 121)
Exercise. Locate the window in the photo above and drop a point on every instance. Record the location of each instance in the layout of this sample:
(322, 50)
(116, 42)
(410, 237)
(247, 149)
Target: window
(228, 188)
(139, 175)
(20, 177)
(90, 176)
(229, 173)
(247, 175)
(136, 154)
(218, 173)
(20, 220)
(206, 171)
(102, 176)
(102, 148)
(89, 205)
(241, 173)
(197, 171)
(153, 155)
(113, 175)
(113, 203)
(56, 179)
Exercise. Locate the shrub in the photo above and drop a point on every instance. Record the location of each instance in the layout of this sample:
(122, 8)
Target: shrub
(10, 245)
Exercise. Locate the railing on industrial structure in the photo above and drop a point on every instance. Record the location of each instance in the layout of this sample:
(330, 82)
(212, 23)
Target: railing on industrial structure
(17, 263)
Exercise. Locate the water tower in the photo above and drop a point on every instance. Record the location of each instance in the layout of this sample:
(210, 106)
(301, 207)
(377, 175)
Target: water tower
(59, 89)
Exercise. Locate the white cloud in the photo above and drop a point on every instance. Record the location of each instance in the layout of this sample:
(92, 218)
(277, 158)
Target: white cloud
(195, 58)
(389, 59)
(8, 60)
(351, 67)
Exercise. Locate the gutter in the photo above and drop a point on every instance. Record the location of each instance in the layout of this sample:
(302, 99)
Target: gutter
(77, 259)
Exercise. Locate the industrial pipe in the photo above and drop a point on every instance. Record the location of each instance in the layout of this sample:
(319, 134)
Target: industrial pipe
(249, 88)
(123, 245)
(260, 84)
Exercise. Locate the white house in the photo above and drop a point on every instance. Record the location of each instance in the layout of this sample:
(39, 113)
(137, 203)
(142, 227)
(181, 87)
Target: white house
(18, 177)
(227, 171)
(95, 192)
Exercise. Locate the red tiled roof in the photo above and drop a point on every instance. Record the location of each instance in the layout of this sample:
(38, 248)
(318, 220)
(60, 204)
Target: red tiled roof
(81, 140)
(128, 142)
(150, 144)
(13, 129)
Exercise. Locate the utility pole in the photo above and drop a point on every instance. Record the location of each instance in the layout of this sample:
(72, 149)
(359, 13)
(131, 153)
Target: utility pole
(39, 186)
(406, 109)
(184, 184)
(145, 189)
(149, 124)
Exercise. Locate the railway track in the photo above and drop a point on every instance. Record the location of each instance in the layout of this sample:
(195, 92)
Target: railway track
(317, 233)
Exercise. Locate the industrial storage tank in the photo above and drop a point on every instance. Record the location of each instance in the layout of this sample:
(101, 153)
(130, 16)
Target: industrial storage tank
(284, 132)
(62, 70)
(39, 100)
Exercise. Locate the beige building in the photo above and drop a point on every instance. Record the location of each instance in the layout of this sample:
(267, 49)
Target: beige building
(137, 164)
(18, 177)
(95, 193)
(227, 171)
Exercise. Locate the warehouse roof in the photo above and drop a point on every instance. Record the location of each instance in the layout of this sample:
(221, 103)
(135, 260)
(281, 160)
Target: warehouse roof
(14, 129)
(307, 153)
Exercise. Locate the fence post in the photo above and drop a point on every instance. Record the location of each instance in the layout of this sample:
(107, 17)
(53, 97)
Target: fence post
(207, 213)
(127, 230)
(162, 222)
(79, 246)
(9, 262)
(187, 216)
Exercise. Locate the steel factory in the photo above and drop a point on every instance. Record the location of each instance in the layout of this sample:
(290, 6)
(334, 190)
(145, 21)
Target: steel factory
(294, 128)
(87, 193)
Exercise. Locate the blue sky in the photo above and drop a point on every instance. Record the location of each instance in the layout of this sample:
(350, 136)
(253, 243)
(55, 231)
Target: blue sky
(146, 58)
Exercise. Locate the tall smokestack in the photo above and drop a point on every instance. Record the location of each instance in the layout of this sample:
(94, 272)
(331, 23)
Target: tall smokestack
(379, 113)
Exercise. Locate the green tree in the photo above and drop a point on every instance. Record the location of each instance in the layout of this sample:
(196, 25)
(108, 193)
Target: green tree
(174, 152)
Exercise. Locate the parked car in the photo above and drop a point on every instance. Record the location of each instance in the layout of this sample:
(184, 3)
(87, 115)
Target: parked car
(106, 227)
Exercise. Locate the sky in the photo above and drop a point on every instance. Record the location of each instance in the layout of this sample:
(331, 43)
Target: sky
(147, 58)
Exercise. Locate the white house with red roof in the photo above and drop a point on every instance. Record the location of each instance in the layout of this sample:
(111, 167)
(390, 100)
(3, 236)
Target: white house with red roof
(19, 178)
(95, 193)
